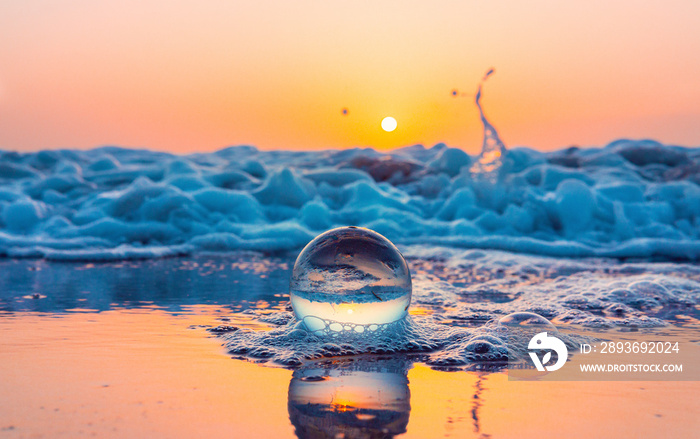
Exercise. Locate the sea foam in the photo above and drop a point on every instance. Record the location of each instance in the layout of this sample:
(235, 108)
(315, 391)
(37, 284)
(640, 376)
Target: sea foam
(469, 306)
(627, 199)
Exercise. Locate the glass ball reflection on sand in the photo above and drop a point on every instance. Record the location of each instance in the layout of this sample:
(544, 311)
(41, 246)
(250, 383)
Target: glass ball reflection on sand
(350, 279)
(352, 399)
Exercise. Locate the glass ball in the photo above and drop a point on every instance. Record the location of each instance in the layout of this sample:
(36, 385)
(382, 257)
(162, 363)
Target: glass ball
(350, 279)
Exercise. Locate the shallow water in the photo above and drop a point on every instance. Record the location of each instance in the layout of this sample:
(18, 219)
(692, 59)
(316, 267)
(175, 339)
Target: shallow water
(459, 298)
(141, 349)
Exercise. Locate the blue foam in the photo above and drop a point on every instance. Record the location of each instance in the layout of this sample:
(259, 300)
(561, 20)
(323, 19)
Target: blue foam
(628, 199)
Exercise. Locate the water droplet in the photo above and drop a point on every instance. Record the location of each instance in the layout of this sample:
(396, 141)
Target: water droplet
(350, 276)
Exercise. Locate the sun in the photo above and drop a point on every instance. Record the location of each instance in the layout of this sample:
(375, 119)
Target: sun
(389, 124)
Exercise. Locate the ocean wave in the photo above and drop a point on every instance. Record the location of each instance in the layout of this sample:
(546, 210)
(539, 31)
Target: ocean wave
(631, 198)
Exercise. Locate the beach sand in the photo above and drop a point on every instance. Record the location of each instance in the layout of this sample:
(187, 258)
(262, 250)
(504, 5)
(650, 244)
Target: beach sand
(151, 372)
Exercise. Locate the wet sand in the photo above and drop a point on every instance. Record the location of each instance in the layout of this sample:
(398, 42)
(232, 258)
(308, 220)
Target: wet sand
(152, 372)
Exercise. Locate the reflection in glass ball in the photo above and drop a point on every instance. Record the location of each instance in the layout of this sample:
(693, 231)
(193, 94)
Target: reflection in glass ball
(350, 279)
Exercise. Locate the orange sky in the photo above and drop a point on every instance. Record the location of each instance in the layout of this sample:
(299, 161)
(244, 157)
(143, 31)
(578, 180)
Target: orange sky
(197, 76)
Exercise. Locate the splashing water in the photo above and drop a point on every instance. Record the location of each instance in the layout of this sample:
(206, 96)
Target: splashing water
(350, 279)
(489, 162)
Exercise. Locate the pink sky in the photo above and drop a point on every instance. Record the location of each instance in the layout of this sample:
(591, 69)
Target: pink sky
(197, 76)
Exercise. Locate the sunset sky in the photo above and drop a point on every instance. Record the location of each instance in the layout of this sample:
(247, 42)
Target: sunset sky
(190, 76)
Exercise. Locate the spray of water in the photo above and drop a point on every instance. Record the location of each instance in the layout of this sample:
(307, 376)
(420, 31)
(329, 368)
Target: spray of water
(490, 160)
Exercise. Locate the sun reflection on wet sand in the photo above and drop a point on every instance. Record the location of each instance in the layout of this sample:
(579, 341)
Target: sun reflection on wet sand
(132, 373)
(149, 372)
(122, 350)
